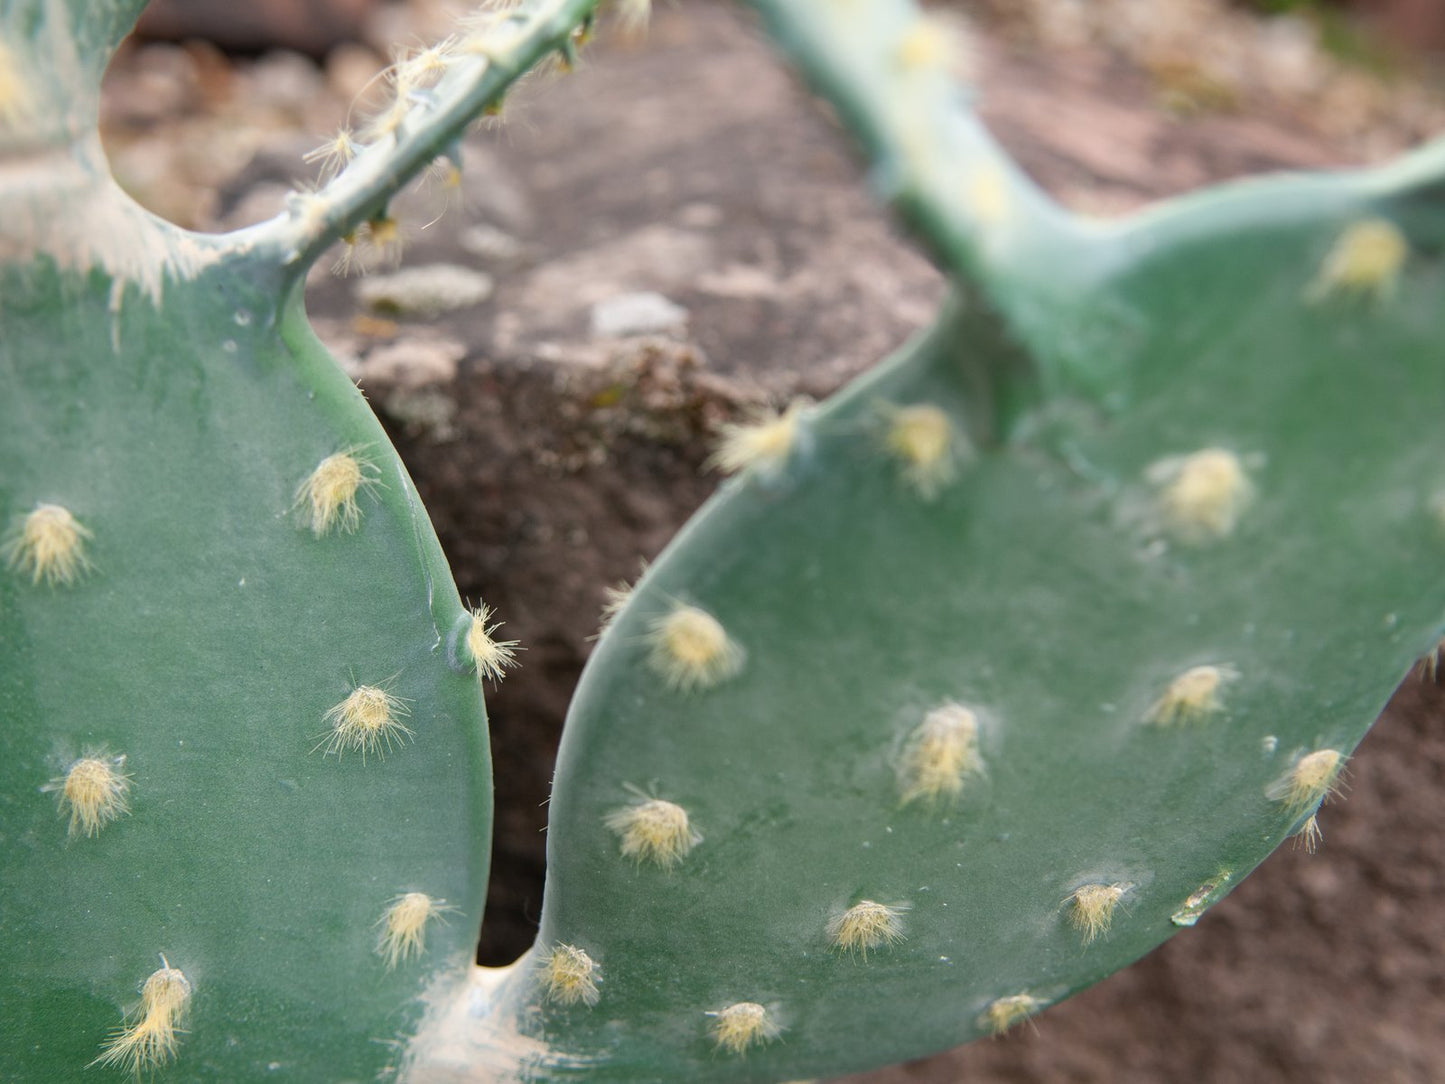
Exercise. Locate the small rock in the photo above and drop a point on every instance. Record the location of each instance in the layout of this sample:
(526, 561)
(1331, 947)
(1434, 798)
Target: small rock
(426, 291)
(411, 363)
(490, 243)
(644, 313)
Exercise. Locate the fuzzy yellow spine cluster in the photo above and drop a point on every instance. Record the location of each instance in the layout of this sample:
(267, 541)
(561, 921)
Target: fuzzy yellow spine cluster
(1004, 1012)
(867, 925)
(569, 975)
(48, 545)
(743, 1025)
(1314, 777)
(94, 791)
(490, 655)
(1092, 907)
(940, 754)
(1202, 495)
(1310, 834)
(654, 830)
(368, 721)
(1192, 696)
(403, 926)
(1366, 261)
(328, 495)
(764, 443)
(691, 649)
(150, 1041)
(922, 439)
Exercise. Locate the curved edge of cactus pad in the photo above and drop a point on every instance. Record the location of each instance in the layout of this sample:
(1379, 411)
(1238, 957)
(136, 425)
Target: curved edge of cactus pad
(1001, 667)
(245, 775)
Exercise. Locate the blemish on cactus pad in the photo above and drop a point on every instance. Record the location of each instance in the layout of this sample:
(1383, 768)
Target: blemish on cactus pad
(867, 925)
(1201, 899)
(403, 926)
(1314, 777)
(491, 656)
(764, 443)
(1192, 696)
(570, 976)
(93, 792)
(940, 754)
(48, 545)
(148, 1042)
(1201, 496)
(328, 495)
(921, 437)
(1004, 1012)
(1366, 261)
(692, 650)
(1092, 907)
(368, 721)
(654, 830)
(743, 1025)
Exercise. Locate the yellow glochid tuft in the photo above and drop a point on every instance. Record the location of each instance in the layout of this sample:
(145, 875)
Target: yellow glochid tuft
(1192, 696)
(1092, 907)
(1365, 262)
(569, 975)
(763, 444)
(1314, 777)
(1004, 1012)
(328, 495)
(48, 545)
(654, 830)
(922, 438)
(94, 791)
(1310, 834)
(403, 926)
(867, 925)
(743, 1025)
(1201, 496)
(691, 649)
(368, 721)
(335, 154)
(940, 754)
(148, 1042)
(491, 656)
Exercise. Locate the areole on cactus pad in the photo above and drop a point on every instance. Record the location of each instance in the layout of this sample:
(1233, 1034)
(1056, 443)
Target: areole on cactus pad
(981, 680)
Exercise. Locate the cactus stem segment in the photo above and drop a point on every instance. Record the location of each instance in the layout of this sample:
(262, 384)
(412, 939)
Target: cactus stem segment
(940, 754)
(328, 495)
(654, 830)
(569, 975)
(1092, 907)
(743, 1025)
(1192, 696)
(691, 649)
(48, 545)
(366, 721)
(867, 925)
(403, 926)
(150, 1041)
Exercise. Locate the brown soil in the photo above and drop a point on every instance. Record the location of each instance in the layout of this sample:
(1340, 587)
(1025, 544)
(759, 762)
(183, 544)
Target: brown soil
(553, 459)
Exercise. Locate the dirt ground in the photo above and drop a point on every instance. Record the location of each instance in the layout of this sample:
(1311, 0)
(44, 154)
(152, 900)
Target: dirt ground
(553, 456)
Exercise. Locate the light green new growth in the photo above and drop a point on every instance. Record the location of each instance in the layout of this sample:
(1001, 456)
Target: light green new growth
(1022, 632)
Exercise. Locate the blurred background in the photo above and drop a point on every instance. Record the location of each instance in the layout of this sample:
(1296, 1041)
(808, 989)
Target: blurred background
(641, 250)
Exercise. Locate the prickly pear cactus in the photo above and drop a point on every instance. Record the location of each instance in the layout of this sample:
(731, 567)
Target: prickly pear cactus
(979, 682)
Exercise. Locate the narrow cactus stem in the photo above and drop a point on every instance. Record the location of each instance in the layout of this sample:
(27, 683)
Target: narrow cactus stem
(476, 73)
